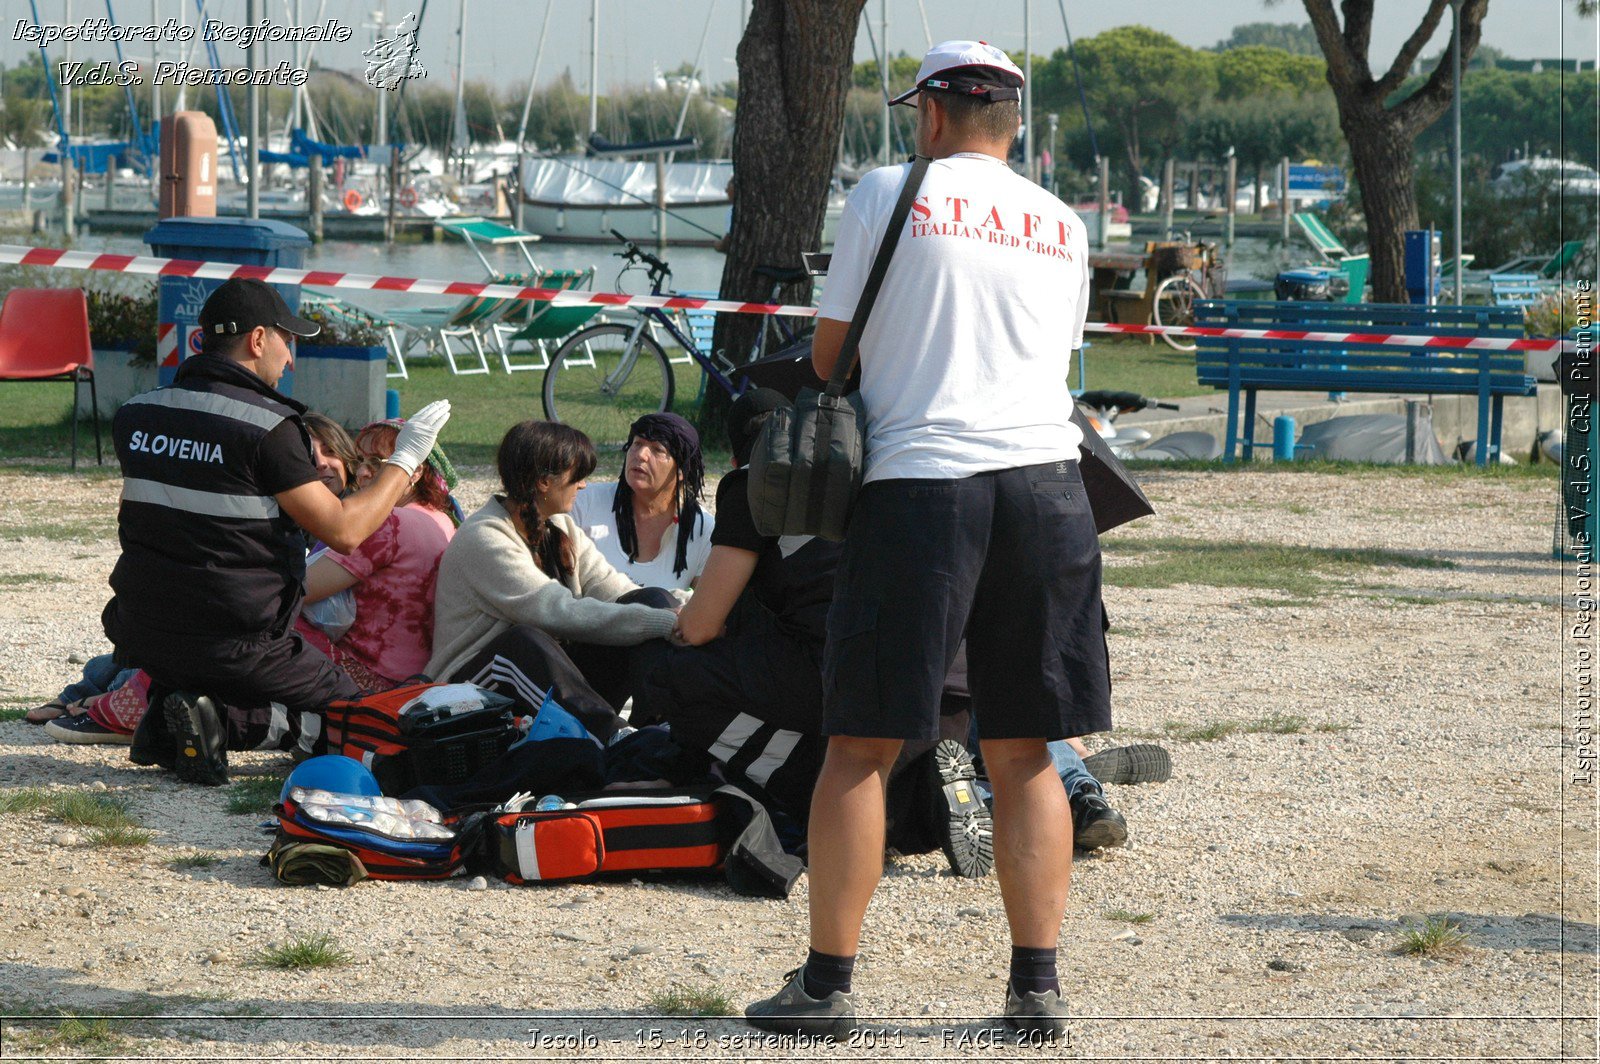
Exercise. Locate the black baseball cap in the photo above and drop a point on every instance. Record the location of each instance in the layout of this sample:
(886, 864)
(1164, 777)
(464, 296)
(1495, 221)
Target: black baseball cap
(242, 304)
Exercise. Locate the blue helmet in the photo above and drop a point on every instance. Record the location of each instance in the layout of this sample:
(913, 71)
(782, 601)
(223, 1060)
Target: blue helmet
(332, 772)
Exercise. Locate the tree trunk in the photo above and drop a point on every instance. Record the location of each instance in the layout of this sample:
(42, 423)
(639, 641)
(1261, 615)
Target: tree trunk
(794, 75)
(1384, 161)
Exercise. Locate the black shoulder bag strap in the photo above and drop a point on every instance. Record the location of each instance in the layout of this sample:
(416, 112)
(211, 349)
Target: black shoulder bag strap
(880, 266)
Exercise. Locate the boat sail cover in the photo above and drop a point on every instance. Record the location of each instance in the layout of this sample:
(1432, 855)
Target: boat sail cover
(580, 182)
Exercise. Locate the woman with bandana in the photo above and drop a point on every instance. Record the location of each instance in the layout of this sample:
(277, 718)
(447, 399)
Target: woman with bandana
(649, 524)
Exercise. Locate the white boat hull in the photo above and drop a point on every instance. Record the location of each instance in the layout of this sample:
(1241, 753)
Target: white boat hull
(592, 223)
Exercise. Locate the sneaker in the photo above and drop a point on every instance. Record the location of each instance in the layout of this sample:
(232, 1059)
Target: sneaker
(1095, 824)
(1036, 1013)
(967, 838)
(793, 1011)
(82, 728)
(202, 742)
(1141, 763)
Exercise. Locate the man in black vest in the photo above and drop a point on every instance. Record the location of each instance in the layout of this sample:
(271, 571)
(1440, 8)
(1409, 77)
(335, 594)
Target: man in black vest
(218, 484)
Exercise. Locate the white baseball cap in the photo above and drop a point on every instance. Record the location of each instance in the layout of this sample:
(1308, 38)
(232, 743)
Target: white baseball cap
(969, 68)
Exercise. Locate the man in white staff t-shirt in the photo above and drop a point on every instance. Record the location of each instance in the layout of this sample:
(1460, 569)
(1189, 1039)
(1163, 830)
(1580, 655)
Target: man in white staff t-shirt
(972, 521)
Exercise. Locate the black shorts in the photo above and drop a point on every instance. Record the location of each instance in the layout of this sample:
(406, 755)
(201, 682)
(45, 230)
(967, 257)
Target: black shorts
(1008, 559)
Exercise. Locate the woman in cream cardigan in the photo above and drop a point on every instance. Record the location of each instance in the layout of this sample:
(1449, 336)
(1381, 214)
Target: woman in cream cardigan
(526, 603)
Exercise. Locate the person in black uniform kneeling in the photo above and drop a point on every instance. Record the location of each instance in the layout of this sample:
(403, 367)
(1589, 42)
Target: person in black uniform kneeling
(218, 484)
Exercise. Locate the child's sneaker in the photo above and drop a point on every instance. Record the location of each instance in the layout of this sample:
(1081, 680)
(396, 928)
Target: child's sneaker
(82, 728)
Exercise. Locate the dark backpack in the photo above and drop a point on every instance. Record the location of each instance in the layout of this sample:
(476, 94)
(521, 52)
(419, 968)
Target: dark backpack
(408, 746)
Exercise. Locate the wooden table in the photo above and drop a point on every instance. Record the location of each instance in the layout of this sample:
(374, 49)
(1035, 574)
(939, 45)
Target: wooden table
(1111, 269)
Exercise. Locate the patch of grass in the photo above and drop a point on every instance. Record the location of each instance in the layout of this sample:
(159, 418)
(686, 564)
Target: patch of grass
(121, 835)
(1133, 364)
(193, 860)
(90, 1036)
(20, 579)
(1438, 937)
(1127, 916)
(90, 810)
(37, 422)
(107, 817)
(83, 531)
(1279, 603)
(1277, 724)
(310, 951)
(11, 713)
(1333, 728)
(1301, 572)
(27, 800)
(254, 794)
(1184, 732)
(482, 408)
(692, 1001)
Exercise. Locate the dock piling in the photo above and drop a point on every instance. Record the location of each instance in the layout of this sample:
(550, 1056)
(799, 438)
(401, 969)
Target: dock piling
(314, 195)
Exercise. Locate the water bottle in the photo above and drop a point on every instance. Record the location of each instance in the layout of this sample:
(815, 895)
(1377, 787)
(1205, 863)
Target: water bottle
(549, 802)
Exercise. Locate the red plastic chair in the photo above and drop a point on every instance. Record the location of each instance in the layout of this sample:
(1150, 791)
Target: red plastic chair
(44, 336)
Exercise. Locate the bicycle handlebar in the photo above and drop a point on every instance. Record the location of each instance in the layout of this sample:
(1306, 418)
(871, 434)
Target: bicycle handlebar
(634, 253)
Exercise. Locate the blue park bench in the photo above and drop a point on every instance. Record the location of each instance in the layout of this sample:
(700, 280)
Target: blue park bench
(1247, 366)
(1517, 289)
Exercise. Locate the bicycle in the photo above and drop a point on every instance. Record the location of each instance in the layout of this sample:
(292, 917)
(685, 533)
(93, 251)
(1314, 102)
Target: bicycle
(606, 376)
(1201, 276)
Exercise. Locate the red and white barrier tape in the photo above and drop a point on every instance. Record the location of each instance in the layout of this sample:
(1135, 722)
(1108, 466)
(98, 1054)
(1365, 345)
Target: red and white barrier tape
(11, 254)
(1454, 343)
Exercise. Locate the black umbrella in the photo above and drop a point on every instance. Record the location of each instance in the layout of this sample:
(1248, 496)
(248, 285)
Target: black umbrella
(1114, 496)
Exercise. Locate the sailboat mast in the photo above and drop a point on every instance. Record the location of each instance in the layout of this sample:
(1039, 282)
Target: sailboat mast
(594, 67)
(294, 107)
(883, 70)
(380, 134)
(458, 139)
(155, 86)
(533, 79)
(1029, 170)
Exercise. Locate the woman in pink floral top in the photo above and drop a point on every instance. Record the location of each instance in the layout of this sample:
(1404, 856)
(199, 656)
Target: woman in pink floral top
(392, 576)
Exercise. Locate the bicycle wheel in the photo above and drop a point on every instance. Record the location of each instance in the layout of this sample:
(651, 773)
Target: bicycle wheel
(1174, 305)
(599, 383)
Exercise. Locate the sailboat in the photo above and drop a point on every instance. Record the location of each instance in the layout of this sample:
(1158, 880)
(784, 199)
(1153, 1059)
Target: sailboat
(639, 190)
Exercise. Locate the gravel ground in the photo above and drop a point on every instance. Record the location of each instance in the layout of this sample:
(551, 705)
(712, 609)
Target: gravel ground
(1399, 754)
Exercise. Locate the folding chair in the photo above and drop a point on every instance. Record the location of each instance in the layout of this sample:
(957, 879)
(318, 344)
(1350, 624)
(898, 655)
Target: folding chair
(539, 323)
(44, 336)
(1355, 268)
(432, 328)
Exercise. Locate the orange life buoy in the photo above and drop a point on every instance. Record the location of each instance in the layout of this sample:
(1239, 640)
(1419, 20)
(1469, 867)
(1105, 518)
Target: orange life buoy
(408, 196)
(352, 200)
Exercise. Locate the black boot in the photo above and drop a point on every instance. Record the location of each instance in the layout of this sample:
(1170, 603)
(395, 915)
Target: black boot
(199, 736)
(1094, 823)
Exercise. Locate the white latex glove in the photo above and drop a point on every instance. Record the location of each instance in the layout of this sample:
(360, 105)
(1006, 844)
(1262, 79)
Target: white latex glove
(417, 436)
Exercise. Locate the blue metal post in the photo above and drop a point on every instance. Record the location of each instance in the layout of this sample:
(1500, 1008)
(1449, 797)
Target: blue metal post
(1283, 438)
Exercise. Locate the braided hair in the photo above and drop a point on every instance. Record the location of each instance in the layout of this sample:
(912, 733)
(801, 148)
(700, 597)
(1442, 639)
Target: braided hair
(530, 451)
(683, 444)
